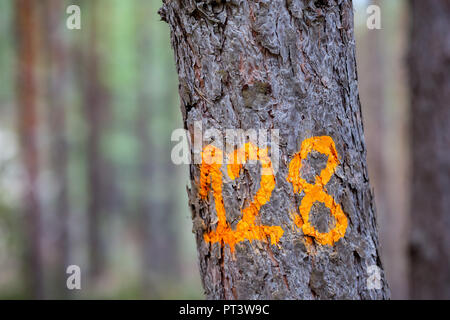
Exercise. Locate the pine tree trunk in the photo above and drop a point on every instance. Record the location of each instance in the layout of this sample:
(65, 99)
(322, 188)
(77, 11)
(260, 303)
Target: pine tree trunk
(57, 56)
(286, 65)
(95, 114)
(380, 57)
(28, 125)
(430, 113)
(158, 241)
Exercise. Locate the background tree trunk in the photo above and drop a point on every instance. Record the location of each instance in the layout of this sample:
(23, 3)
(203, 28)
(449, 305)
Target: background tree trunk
(28, 125)
(430, 96)
(57, 58)
(287, 65)
(156, 214)
(95, 107)
(383, 92)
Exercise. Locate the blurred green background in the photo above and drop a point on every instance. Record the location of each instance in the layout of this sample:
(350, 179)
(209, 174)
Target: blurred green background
(103, 102)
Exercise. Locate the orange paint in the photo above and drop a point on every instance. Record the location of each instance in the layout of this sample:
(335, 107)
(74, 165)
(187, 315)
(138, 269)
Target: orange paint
(247, 228)
(298, 221)
(317, 192)
(210, 174)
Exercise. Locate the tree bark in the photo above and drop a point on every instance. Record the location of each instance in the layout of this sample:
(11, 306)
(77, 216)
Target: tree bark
(286, 65)
(430, 115)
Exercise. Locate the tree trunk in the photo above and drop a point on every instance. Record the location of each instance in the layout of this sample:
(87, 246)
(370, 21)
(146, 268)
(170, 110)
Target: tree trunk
(28, 123)
(95, 114)
(382, 92)
(430, 113)
(157, 211)
(150, 207)
(57, 55)
(286, 65)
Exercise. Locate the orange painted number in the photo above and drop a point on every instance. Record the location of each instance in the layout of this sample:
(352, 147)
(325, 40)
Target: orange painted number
(247, 227)
(317, 191)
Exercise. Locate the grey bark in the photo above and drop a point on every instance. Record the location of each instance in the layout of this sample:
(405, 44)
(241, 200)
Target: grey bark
(430, 115)
(287, 65)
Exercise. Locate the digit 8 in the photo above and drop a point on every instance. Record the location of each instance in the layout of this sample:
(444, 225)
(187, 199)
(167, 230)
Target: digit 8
(317, 191)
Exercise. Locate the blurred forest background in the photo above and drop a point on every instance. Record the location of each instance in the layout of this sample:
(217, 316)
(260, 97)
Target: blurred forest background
(85, 170)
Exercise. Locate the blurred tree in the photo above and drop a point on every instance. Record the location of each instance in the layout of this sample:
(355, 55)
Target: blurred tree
(430, 112)
(96, 116)
(383, 99)
(56, 76)
(148, 204)
(26, 25)
(157, 212)
(288, 66)
(104, 129)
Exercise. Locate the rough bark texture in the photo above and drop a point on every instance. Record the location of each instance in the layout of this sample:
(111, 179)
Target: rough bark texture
(287, 65)
(430, 96)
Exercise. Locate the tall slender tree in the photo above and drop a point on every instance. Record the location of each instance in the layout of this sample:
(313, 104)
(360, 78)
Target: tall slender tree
(147, 208)
(95, 108)
(286, 65)
(156, 212)
(382, 91)
(430, 114)
(57, 57)
(28, 120)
